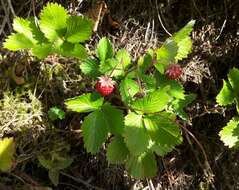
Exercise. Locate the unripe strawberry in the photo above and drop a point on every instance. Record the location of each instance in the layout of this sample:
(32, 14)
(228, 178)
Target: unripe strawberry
(173, 71)
(105, 85)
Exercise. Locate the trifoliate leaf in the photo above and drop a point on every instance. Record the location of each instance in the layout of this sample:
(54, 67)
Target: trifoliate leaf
(114, 118)
(163, 130)
(233, 78)
(230, 133)
(95, 131)
(178, 105)
(53, 19)
(226, 95)
(117, 151)
(142, 166)
(54, 176)
(104, 49)
(128, 88)
(136, 137)
(90, 67)
(79, 29)
(42, 50)
(166, 54)
(153, 102)
(176, 90)
(18, 41)
(7, 151)
(85, 103)
(123, 58)
(56, 113)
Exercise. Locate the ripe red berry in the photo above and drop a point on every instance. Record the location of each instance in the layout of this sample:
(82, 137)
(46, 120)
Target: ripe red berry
(173, 71)
(105, 85)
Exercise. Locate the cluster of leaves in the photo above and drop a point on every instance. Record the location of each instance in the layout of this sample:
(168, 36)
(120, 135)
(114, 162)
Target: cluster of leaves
(54, 32)
(227, 96)
(149, 127)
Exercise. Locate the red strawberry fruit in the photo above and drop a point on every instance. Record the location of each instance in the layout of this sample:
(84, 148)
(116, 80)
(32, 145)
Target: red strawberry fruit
(173, 71)
(105, 85)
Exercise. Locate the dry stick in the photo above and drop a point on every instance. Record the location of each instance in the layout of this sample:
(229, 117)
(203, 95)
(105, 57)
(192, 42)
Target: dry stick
(11, 8)
(150, 184)
(6, 14)
(79, 180)
(160, 20)
(166, 169)
(208, 168)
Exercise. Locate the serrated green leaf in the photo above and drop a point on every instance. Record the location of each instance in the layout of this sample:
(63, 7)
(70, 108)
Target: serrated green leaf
(90, 67)
(136, 138)
(21, 25)
(184, 48)
(149, 81)
(128, 88)
(178, 105)
(123, 58)
(226, 95)
(184, 32)
(42, 50)
(183, 40)
(53, 19)
(55, 113)
(163, 130)
(176, 90)
(142, 166)
(37, 34)
(166, 54)
(79, 29)
(233, 78)
(114, 118)
(230, 133)
(54, 176)
(45, 162)
(95, 131)
(7, 151)
(85, 103)
(144, 62)
(18, 41)
(153, 102)
(161, 150)
(72, 50)
(111, 67)
(105, 49)
(117, 151)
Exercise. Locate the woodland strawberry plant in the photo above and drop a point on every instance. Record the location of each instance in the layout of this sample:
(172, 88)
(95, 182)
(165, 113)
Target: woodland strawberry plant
(135, 105)
(227, 96)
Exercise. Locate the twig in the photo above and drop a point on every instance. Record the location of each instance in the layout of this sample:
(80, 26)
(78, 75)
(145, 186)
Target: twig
(79, 180)
(11, 8)
(208, 168)
(160, 20)
(221, 30)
